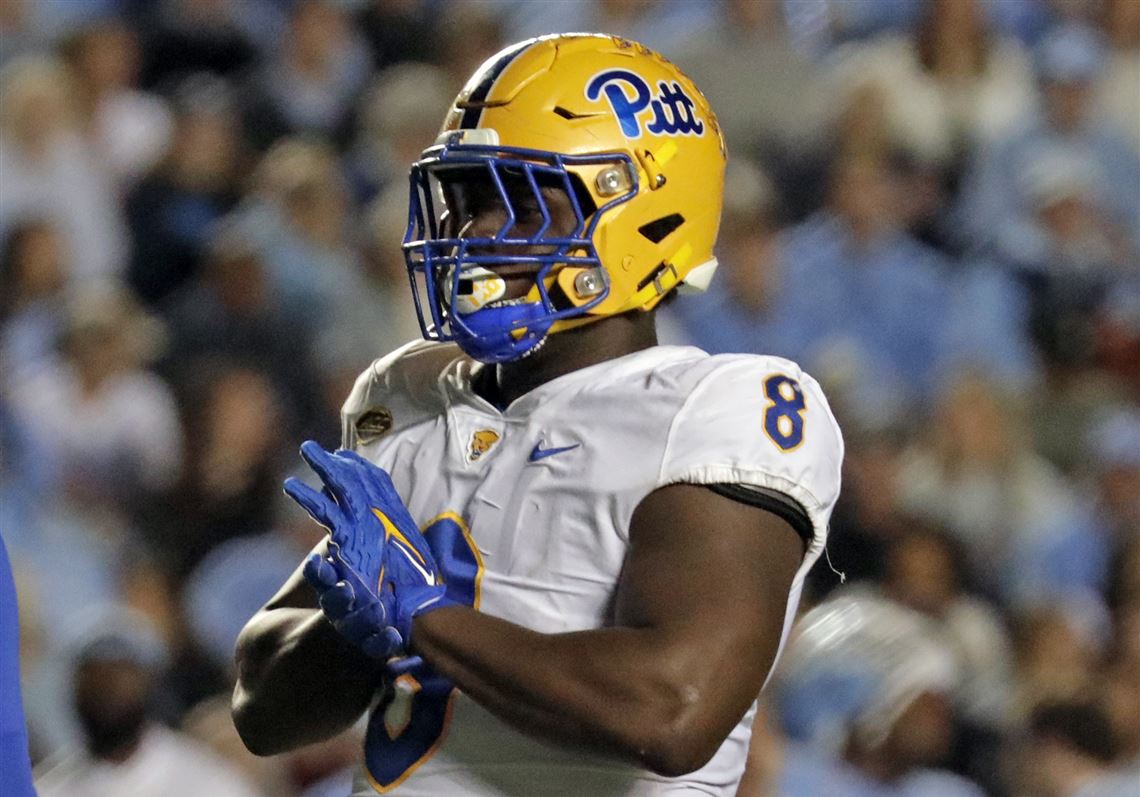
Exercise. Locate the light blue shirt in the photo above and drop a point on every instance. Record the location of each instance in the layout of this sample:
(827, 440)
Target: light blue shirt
(894, 315)
(809, 773)
(996, 207)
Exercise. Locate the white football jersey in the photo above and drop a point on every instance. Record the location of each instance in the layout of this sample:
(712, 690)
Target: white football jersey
(527, 511)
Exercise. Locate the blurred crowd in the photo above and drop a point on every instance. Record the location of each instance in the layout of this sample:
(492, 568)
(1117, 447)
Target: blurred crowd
(932, 205)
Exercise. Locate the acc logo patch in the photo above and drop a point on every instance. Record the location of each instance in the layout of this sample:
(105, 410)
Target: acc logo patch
(373, 424)
(629, 96)
(481, 443)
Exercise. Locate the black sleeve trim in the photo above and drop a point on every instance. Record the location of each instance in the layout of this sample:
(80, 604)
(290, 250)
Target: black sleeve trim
(782, 506)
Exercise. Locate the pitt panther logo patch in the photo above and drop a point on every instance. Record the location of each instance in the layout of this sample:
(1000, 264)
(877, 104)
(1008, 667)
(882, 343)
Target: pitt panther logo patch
(481, 443)
(629, 96)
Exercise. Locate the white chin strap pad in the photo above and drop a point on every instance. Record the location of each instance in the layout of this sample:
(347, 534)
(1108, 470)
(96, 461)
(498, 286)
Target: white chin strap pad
(699, 277)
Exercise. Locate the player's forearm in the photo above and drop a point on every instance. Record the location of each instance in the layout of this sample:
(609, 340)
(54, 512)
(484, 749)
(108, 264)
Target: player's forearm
(299, 681)
(620, 691)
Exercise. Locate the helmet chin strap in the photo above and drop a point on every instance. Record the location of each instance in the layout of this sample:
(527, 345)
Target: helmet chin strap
(496, 334)
(503, 334)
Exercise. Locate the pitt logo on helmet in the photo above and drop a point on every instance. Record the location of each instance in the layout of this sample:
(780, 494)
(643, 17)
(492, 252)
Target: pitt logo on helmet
(673, 109)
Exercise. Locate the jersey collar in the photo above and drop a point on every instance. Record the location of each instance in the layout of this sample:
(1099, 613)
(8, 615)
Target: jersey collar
(457, 379)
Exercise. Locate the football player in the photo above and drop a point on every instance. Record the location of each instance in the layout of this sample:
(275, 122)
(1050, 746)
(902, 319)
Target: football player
(561, 559)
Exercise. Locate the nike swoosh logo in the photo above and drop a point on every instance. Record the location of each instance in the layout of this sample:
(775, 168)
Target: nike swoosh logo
(538, 452)
(415, 559)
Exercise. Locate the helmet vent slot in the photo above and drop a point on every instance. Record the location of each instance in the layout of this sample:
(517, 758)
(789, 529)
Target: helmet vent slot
(657, 229)
(566, 113)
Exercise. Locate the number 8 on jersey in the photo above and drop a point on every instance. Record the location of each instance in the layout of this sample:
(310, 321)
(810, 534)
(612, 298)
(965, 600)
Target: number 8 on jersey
(784, 415)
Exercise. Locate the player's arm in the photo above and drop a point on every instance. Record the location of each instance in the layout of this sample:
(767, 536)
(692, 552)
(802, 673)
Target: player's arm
(299, 681)
(698, 618)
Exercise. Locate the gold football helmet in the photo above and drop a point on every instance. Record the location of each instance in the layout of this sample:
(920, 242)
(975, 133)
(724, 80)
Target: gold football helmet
(629, 142)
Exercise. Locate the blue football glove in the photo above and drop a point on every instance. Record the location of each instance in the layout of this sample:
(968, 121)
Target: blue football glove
(379, 573)
(355, 611)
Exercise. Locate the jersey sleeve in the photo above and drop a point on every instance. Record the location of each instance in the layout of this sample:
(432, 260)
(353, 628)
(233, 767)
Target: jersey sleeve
(394, 392)
(760, 428)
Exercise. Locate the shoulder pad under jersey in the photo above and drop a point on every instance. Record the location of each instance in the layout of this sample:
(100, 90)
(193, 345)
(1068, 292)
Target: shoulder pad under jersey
(396, 391)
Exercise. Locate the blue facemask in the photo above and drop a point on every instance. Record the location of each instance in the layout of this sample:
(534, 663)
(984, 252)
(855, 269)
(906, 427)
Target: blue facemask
(442, 265)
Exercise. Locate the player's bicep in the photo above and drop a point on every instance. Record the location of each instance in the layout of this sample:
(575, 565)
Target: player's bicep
(713, 575)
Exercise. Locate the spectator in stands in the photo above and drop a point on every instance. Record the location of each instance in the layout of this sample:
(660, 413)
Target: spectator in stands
(310, 86)
(1118, 336)
(17, 31)
(868, 517)
(1028, 534)
(862, 695)
(108, 425)
(128, 129)
(1089, 346)
(1070, 753)
(300, 218)
(237, 426)
(987, 328)
(33, 275)
(1125, 598)
(952, 85)
(386, 222)
(399, 118)
(1002, 193)
(782, 120)
(219, 37)
(467, 40)
(45, 523)
(1118, 90)
(1120, 687)
(50, 172)
(125, 752)
(1080, 245)
(173, 210)
(229, 312)
(926, 571)
(403, 31)
(660, 25)
(855, 287)
(385, 278)
(1056, 650)
(1114, 452)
